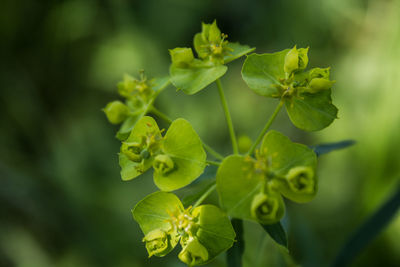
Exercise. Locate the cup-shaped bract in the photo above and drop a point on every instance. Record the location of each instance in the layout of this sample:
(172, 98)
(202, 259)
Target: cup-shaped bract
(193, 253)
(184, 148)
(204, 232)
(157, 242)
(213, 50)
(295, 59)
(144, 136)
(116, 112)
(308, 104)
(291, 163)
(267, 207)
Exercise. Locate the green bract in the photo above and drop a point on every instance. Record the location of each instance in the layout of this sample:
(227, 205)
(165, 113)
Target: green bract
(178, 158)
(139, 96)
(306, 94)
(250, 188)
(203, 232)
(191, 74)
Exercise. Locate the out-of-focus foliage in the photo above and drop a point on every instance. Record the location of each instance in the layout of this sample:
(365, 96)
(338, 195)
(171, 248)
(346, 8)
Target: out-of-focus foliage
(62, 202)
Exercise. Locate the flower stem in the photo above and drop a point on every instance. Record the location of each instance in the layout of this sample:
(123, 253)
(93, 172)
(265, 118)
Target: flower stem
(205, 195)
(161, 115)
(266, 127)
(211, 162)
(227, 116)
(209, 149)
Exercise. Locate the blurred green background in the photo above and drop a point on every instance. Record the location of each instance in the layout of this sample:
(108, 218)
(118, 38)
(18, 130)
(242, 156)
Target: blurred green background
(62, 202)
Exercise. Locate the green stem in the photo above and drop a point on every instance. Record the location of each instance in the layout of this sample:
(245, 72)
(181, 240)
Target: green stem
(205, 195)
(161, 115)
(209, 149)
(212, 152)
(227, 116)
(266, 127)
(211, 162)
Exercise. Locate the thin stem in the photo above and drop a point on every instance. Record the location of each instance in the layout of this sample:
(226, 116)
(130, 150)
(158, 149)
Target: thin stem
(227, 117)
(205, 195)
(161, 115)
(212, 152)
(266, 127)
(209, 149)
(211, 162)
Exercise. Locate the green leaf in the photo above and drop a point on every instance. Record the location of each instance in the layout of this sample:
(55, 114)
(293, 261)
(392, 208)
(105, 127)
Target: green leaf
(368, 230)
(184, 147)
(311, 112)
(277, 233)
(215, 230)
(237, 51)
(284, 156)
(329, 147)
(159, 84)
(263, 72)
(234, 254)
(152, 213)
(131, 169)
(195, 78)
(127, 127)
(237, 184)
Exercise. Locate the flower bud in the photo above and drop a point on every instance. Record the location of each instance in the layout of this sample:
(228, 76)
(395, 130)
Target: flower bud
(163, 164)
(181, 56)
(301, 180)
(132, 151)
(266, 208)
(319, 80)
(116, 112)
(244, 143)
(127, 86)
(194, 253)
(296, 59)
(156, 242)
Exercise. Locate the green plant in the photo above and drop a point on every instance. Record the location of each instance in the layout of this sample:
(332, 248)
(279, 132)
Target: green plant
(251, 186)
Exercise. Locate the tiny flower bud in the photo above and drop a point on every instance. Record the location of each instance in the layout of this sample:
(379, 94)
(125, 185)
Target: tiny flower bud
(194, 253)
(265, 208)
(319, 80)
(296, 59)
(156, 242)
(181, 56)
(127, 86)
(301, 179)
(116, 112)
(244, 143)
(163, 164)
(132, 151)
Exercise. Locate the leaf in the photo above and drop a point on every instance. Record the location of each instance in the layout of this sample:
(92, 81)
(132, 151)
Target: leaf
(131, 169)
(158, 85)
(237, 185)
(195, 78)
(311, 112)
(152, 213)
(127, 127)
(329, 147)
(215, 230)
(284, 155)
(368, 230)
(262, 72)
(277, 233)
(238, 51)
(185, 148)
(234, 254)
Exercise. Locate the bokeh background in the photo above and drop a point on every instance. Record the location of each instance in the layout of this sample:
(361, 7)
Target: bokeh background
(62, 202)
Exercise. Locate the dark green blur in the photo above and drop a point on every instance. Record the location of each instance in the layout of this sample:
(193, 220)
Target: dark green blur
(62, 202)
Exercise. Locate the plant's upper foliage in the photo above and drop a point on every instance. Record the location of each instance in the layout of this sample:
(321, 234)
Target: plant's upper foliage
(178, 158)
(307, 94)
(251, 188)
(203, 232)
(139, 94)
(191, 74)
